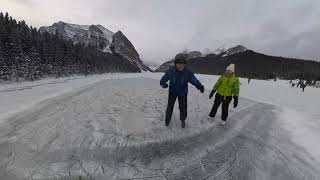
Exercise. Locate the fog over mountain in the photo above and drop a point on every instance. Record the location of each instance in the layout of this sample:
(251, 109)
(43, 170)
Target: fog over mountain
(161, 29)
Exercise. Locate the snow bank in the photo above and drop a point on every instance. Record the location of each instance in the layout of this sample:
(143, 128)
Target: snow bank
(303, 129)
(17, 97)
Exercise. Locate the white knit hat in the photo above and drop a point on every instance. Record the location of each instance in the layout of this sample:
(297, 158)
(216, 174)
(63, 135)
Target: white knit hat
(231, 68)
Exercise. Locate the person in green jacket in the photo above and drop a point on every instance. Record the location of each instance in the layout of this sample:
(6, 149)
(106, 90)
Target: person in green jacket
(227, 86)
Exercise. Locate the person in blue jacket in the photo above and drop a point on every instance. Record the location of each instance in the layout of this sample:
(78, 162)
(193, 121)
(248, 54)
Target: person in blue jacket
(179, 77)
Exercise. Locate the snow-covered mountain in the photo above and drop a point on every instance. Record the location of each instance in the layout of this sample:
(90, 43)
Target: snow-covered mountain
(95, 35)
(194, 54)
(251, 63)
(235, 50)
(120, 45)
(220, 52)
(230, 51)
(100, 37)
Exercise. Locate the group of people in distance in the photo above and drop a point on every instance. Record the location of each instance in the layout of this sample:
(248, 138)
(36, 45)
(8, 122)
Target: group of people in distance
(301, 84)
(226, 89)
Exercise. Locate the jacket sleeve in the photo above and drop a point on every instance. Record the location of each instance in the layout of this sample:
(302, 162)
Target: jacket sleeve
(194, 81)
(218, 83)
(236, 87)
(165, 78)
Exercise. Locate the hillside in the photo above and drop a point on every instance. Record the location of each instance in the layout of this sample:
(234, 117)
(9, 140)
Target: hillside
(28, 54)
(99, 37)
(253, 64)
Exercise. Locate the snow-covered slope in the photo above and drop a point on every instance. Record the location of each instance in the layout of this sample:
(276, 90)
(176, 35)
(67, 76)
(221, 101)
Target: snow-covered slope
(100, 37)
(95, 35)
(220, 52)
(236, 49)
(230, 51)
(122, 46)
(113, 129)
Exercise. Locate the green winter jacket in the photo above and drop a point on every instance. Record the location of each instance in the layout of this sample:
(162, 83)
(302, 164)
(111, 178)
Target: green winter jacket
(227, 86)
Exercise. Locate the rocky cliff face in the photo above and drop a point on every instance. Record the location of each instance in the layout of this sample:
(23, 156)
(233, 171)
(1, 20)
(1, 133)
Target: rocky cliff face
(99, 37)
(190, 55)
(123, 47)
(94, 35)
(165, 66)
(235, 50)
(194, 54)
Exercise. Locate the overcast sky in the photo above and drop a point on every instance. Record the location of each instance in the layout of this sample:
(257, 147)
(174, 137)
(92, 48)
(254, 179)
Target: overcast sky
(161, 28)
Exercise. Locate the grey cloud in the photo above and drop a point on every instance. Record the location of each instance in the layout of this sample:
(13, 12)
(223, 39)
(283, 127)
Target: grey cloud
(303, 45)
(161, 28)
(24, 2)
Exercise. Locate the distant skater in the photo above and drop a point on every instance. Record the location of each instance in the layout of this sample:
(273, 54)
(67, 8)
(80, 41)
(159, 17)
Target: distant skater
(299, 83)
(249, 79)
(179, 77)
(303, 86)
(227, 86)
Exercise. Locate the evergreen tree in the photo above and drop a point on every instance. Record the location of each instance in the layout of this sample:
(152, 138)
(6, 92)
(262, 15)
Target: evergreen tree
(26, 54)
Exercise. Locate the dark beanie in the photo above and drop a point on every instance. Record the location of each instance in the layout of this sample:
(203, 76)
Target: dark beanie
(180, 59)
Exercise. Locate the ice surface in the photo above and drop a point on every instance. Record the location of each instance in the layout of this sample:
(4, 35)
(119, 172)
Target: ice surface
(111, 127)
(17, 97)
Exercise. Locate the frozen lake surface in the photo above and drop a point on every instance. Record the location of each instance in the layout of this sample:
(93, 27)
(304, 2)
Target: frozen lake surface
(113, 128)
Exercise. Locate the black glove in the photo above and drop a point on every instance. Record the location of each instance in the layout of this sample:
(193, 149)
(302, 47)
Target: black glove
(164, 85)
(201, 88)
(235, 101)
(212, 93)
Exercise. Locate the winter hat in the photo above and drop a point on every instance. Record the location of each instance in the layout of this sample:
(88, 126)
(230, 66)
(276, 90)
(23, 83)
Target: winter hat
(180, 59)
(231, 68)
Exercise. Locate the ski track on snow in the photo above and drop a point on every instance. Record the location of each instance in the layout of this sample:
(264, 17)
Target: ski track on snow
(114, 129)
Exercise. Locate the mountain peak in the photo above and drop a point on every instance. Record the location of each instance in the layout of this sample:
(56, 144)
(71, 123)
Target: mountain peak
(99, 37)
(230, 51)
(95, 35)
(236, 49)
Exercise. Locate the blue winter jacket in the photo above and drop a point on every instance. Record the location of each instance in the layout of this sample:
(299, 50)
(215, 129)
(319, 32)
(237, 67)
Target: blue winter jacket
(179, 81)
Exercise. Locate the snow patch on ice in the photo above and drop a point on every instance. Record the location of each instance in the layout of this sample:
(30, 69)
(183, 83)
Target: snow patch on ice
(18, 97)
(303, 129)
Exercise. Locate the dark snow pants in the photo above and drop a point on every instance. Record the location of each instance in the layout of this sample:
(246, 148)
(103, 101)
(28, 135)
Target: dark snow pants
(182, 106)
(225, 100)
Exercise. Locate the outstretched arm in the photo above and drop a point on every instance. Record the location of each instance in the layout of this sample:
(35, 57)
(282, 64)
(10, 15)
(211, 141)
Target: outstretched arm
(236, 92)
(194, 81)
(236, 88)
(165, 78)
(217, 85)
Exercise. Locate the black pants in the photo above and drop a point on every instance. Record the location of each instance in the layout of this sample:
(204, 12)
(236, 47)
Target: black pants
(182, 106)
(225, 100)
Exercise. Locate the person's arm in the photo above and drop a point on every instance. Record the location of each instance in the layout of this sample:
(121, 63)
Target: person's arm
(236, 88)
(165, 78)
(194, 81)
(215, 87)
(236, 92)
(218, 83)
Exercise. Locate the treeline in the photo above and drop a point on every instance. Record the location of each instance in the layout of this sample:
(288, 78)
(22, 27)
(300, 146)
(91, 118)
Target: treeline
(27, 54)
(258, 66)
